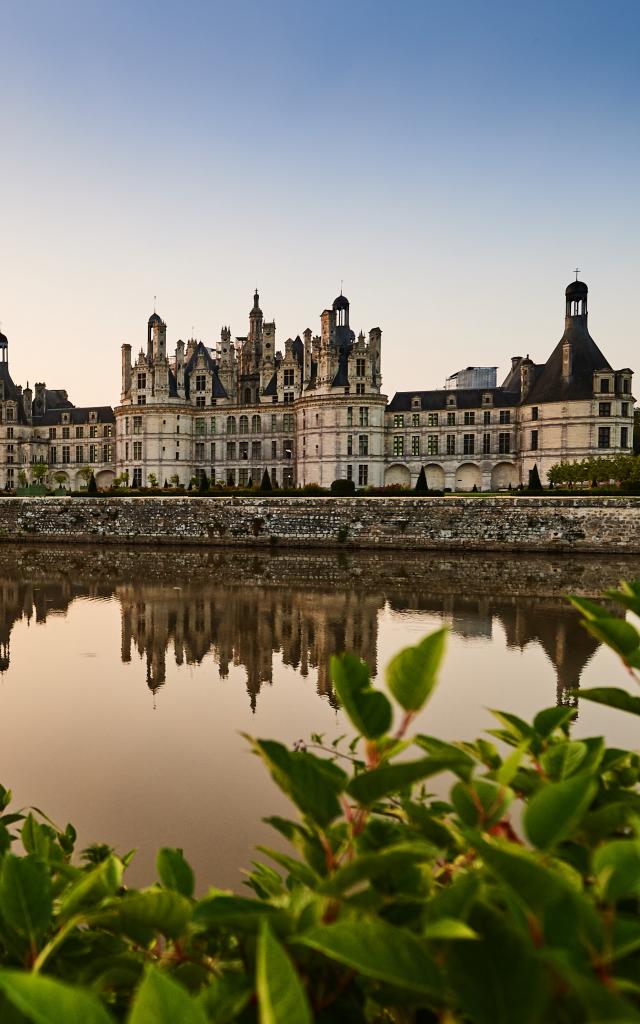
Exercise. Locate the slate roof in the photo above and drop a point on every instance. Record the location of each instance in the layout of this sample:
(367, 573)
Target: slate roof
(53, 417)
(210, 363)
(272, 386)
(586, 357)
(466, 398)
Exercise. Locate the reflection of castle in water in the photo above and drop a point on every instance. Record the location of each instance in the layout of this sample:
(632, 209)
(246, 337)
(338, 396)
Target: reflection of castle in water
(302, 609)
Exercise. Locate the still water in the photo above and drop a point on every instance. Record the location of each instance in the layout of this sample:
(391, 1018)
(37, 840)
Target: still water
(126, 676)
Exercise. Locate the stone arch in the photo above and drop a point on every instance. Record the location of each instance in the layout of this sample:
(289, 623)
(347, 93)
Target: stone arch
(503, 474)
(104, 479)
(435, 476)
(397, 475)
(66, 484)
(468, 475)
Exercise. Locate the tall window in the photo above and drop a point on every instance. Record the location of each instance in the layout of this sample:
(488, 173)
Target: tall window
(487, 417)
(243, 450)
(274, 421)
(213, 451)
(53, 454)
(107, 453)
(79, 453)
(201, 382)
(604, 386)
(624, 409)
(231, 424)
(256, 425)
(200, 451)
(432, 444)
(52, 432)
(65, 433)
(363, 444)
(468, 444)
(66, 453)
(137, 477)
(137, 425)
(534, 440)
(244, 424)
(451, 444)
(505, 416)
(624, 437)
(415, 444)
(604, 437)
(486, 444)
(363, 416)
(231, 450)
(137, 450)
(359, 389)
(469, 418)
(398, 420)
(504, 443)
(451, 419)
(142, 381)
(363, 476)
(287, 421)
(93, 452)
(360, 367)
(534, 412)
(432, 419)
(256, 451)
(398, 444)
(289, 378)
(80, 430)
(201, 425)
(349, 472)
(604, 408)
(274, 449)
(349, 416)
(349, 444)
(93, 430)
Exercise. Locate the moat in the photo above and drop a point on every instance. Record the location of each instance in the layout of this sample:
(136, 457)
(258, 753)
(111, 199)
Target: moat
(126, 675)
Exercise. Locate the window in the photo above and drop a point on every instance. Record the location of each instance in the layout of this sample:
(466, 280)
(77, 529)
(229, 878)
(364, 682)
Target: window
(288, 397)
(274, 421)
(451, 444)
(126, 451)
(349, 444)
(604, 408)
(432, 420)
(213, 451)
(624, 409)
(360, 367)
(107, 453)
(93, 430)
(201, 425)
(107, 430)
(363, 444)
(363, 476)
(398, 420)
(504, 443)
(398, 444)
(469, 419)
(9, 431)
(487, 417)
(256, 451)
(534, 440)
(93, 453)
(469, 444)
(231, 424)
(231, 477)
(142, 381)
(9, 414)
(432, 444)
(201, 401)
(243, 450)
(289, 378)
(349, 472)
(451, 419)
(65, 433)
(79, 453)
(604, 385)
(287, 449)
(604, 437)
(505, 416)
(349, 416)
(274, 449)
(359, 389)
(287, 421)
(53, 454)
(534, 412)
(137, 424)
(486, 444)
(256, 425)
(243, 477)
(624, 437)
(626, 386)
(52, 433)
(137, 449)
(142, 399)
(199, 451)
(66, 453)
(363, 415)
(415, 444)
(231, 450)
(201, 382)
(137, 476)
(213, 425)
(80, 430)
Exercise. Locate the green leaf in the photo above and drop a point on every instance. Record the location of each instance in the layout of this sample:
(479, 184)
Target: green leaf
(25, 895)
(612, 697)
(161, 1000)
(92, 887)
(226, 997)
(535, 883)
(379, 950)
(368, 709)
(449, 928)
(369, 866)
(313, 783)
(46, 1001)
(617, 868)
(547, 721)
(563, 759)
(457, 760)
(143, 913)
(556, 809)
(370, 786)
(412, 674)
(222, 911)
(481, 802)
(5, 797)
(174, 871)
(281, 996)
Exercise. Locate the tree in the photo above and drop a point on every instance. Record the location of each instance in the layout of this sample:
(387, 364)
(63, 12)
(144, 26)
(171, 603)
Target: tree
(343, 488)
(92, 487)
(422, 486)
(175, 480)
(265, 484)
(203, 483)
(535, 483)
(22, 478)
(153, 480)
(60, 478)
(86, 473)
(39, 471)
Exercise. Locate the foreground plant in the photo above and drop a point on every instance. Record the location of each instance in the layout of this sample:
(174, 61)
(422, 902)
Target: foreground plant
(515, 899)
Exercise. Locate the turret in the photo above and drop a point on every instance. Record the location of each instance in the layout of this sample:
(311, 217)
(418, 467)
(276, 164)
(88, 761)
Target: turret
(180, 368)
(152, 321)
(159, 341)
(307, 354)
(526, 376)
(126, 369)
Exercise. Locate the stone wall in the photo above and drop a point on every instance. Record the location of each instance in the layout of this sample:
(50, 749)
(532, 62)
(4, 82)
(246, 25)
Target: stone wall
(478, 524)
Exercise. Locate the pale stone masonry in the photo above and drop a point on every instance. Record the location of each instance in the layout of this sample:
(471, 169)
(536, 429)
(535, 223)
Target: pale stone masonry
(315, 413)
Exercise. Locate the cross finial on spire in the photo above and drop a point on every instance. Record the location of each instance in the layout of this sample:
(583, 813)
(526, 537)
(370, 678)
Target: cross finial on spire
(155, 300)
(341, 284)
(576, 272)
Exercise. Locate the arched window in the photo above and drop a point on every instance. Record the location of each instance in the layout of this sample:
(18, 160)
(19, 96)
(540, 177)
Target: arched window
(256, 425)
(231, 424)
(244, 424)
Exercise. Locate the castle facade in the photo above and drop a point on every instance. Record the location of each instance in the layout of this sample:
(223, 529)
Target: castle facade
(315, 413)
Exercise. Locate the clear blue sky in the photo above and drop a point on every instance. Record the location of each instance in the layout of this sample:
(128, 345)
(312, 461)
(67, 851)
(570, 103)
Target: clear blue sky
(451, 161)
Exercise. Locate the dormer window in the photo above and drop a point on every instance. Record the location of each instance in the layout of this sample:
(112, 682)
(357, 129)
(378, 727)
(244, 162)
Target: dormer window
(416, 403)
(604, 385)
(201, 382)
(451, 401)
(93, 417)
(65, 417)
(486, 399)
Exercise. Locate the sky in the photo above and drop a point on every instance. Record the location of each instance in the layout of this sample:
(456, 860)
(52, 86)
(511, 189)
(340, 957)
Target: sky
(449, 162)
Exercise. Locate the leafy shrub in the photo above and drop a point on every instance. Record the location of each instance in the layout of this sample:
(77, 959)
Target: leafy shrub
(394, 906)
(343, 488)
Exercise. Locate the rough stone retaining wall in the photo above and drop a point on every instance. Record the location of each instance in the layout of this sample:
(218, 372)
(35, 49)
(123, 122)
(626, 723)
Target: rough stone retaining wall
(478, 524)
